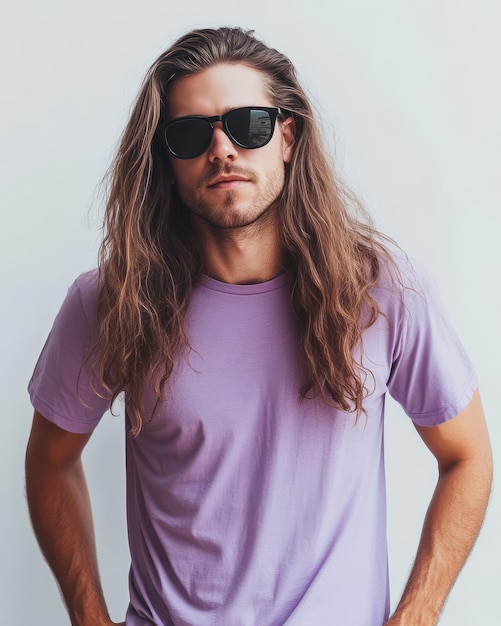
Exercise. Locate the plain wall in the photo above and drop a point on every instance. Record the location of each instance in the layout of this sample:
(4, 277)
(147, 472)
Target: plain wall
(409, 95)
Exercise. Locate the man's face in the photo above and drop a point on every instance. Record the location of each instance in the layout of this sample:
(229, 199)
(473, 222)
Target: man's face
(229, 186)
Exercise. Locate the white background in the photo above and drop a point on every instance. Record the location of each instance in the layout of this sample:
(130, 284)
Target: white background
(410, 97)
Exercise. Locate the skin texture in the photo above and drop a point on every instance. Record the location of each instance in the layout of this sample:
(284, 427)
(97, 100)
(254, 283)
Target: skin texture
(62, 519)
(235, 222)
(462, 449)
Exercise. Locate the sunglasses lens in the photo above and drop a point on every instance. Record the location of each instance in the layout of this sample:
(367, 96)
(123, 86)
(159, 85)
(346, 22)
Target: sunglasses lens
(188, 138)
(250, 128)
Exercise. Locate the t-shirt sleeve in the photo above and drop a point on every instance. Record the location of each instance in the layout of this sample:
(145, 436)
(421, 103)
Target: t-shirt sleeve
(63, 391)
(431, 375)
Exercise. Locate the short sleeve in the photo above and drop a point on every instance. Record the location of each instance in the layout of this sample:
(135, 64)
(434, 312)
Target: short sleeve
(63, 391)
(431, 375)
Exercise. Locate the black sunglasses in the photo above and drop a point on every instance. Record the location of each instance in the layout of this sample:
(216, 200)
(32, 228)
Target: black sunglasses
(247, 127)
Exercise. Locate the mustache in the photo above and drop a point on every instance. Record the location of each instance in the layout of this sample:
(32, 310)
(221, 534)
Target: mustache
(226, 170)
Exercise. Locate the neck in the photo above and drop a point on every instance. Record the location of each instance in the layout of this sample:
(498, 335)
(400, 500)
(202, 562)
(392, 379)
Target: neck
(244, 255)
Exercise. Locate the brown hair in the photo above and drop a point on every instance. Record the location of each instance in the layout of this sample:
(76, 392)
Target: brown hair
(149, 264)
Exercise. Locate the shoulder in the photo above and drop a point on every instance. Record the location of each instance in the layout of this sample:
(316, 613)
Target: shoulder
(84, 289)
(401, 279)
(79, 307)
(86, 285)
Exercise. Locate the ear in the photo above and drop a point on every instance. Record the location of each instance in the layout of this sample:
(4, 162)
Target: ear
(288, 128)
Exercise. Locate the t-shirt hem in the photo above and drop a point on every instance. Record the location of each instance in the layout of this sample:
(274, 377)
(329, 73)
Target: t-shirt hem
(69, 424)
(448, 412)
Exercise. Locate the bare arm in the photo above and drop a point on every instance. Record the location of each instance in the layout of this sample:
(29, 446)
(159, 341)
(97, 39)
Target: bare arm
(454, 517)
(61, 515)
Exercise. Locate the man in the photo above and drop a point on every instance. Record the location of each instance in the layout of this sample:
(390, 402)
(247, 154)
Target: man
(254, 326)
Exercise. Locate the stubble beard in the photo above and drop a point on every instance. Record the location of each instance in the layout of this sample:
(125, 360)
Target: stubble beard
(231, 212)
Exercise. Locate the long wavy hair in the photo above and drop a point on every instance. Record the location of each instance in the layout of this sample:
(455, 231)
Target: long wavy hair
(149, 263)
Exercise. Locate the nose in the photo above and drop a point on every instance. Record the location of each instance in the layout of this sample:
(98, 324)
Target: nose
(221, 146)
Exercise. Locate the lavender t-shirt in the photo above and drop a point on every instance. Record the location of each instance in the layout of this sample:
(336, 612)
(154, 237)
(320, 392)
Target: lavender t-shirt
(247, 507)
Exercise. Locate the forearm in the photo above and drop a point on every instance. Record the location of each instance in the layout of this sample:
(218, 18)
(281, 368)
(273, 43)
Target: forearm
(451, 526)
(62, 520)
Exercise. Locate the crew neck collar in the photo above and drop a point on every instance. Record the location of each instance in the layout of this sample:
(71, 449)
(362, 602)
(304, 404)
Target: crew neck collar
(251, 289)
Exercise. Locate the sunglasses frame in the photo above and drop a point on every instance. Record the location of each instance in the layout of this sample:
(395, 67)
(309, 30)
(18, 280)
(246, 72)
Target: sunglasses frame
(273, 112)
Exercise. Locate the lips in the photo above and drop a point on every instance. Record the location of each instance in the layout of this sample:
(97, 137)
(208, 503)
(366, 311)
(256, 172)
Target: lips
(230, 180)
